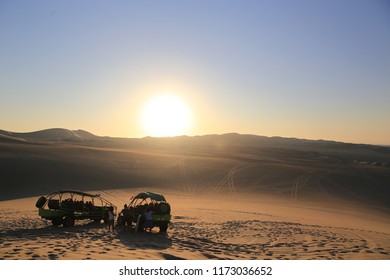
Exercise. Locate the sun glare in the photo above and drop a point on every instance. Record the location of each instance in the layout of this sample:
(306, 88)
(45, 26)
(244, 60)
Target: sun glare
(166, 115)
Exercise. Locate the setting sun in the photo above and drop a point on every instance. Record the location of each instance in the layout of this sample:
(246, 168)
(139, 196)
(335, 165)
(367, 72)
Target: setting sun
(166, 115)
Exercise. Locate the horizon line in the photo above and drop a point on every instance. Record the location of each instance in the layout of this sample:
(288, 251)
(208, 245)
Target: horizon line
(198, 135)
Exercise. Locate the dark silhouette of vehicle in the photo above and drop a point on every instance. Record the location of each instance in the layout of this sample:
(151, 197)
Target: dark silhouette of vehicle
(149, 201)
(65, 207)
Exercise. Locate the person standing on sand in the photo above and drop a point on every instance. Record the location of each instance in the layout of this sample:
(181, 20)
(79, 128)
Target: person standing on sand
(126, 219)
(148, 218)
(111, 219)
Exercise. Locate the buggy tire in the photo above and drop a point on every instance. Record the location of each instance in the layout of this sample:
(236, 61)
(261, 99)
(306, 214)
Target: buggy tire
(163, 228)
(69, 221)
(57, 221)
(40, 202)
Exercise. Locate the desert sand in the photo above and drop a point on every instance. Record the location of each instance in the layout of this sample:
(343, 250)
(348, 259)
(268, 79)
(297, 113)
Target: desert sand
(232, 196)
(212, 226)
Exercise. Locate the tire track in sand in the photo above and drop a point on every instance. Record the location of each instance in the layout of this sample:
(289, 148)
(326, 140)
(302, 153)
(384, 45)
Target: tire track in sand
(227, 182)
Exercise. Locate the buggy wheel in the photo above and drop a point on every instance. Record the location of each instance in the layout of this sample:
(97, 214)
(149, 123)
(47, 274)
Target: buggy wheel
(41, 201)
(56, 221)
(163, 228)
(68, 221)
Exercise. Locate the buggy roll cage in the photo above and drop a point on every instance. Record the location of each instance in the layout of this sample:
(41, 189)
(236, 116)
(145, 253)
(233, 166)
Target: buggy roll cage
(72, 193)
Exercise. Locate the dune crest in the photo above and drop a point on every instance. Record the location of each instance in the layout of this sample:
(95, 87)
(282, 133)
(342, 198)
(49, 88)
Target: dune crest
(51, 134)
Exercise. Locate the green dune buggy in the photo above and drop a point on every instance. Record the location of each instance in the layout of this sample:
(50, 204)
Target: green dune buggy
(141, 204)
(65, 207)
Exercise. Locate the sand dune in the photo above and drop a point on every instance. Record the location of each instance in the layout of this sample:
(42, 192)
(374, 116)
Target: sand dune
(233, 196)
(204, 227)
(51, 134)
(294, 168)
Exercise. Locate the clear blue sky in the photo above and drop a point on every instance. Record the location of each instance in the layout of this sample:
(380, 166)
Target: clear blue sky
(307, 69)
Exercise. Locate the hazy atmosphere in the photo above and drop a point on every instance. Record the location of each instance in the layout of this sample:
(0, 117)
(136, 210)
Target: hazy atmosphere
(305, 69)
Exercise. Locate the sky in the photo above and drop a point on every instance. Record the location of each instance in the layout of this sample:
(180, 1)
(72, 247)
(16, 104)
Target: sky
(305, 69)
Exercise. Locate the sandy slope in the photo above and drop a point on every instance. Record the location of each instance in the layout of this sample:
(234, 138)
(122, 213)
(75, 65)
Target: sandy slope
(293, 168)
(212, 226)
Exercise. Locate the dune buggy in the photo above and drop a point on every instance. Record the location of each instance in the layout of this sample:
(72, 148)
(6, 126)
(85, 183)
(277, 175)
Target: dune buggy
(65, 207)
(148, 201)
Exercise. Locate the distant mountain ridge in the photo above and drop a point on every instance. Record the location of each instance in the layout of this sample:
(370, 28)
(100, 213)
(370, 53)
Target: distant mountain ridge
(245, 143)
(235, 139)
(50, 134)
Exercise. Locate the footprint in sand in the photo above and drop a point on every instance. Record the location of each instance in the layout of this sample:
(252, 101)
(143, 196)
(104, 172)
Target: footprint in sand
(53, 256)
